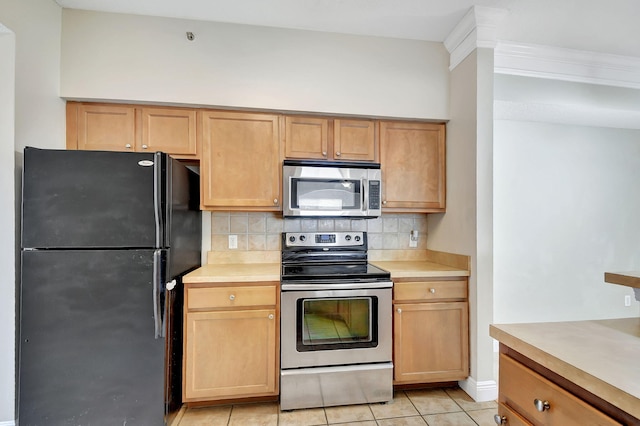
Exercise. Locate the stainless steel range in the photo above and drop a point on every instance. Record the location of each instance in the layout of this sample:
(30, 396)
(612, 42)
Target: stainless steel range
(336, 327)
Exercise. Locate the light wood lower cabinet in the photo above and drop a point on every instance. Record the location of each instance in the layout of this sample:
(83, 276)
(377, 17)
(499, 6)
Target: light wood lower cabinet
(527, 397)
(230, 342)
(431, 330)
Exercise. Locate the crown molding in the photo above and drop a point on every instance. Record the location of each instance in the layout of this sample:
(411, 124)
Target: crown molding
(557, 63)
(476, 29)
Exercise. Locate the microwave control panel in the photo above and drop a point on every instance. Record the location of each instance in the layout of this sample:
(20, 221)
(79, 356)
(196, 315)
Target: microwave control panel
(374, 195)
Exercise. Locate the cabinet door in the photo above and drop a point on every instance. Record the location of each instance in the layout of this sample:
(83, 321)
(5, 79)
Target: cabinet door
(230, 354)
(306, 137)
(102, 127)
(412, 157)
(241, 161)
(171, 130)
(431, 342)
(354, 140)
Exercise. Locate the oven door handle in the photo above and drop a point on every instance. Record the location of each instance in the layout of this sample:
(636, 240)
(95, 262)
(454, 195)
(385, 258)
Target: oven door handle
(335, 286)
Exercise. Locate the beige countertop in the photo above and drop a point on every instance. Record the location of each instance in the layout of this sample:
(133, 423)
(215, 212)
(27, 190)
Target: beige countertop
(265, 265)
(601, 356)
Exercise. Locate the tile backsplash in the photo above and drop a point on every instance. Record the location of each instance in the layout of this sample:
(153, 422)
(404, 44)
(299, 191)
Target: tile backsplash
(262, 231)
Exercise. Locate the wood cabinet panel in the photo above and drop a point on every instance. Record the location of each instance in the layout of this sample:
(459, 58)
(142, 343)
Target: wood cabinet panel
(104, 127)
(230, 354)
(412, 157)
(431, 342)
(354, 140)
(306, 137)
(520, 387)
(169, 130)
(241, 161)
(230, 297)
(429, 290)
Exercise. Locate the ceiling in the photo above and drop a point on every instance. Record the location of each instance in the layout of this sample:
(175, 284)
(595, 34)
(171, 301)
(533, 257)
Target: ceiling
(604, 26)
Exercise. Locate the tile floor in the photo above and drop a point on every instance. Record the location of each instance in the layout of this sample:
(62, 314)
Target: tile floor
(433, 407)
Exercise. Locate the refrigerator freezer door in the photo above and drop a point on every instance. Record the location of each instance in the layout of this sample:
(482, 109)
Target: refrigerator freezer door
(88, 351)
(90, 199)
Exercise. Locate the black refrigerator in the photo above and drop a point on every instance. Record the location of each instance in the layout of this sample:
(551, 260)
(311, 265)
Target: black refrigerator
(106, 238)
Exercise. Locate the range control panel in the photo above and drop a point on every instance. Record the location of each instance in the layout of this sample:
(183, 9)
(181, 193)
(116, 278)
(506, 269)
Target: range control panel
(324, 239)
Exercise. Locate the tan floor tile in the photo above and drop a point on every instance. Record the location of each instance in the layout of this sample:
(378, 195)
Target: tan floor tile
(399, 407)
(206, 416)
(366, 423)
(348, 413)
(432, 401)
(467, 403)
(308, 417)
(450, 419)
(403, 421)
(254, 415)
(484, 417)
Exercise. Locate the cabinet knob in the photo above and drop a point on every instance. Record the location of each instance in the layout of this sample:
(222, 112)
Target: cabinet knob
(275, 201)
(500, 420)
(128, 146)
(384, 201)
(270, 316)
(432, 290)
(324, 153)
(232, 297)
(338, 154)
(541, 405)
(399, 310)
(144, 147)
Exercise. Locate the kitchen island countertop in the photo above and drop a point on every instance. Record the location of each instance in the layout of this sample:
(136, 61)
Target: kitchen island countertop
(600, 356)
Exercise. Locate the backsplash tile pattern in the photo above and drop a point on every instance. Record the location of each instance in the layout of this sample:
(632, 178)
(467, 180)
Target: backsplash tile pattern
(262, 231)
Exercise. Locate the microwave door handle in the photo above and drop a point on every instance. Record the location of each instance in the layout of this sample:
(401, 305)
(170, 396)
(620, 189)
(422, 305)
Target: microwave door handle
(365, 197)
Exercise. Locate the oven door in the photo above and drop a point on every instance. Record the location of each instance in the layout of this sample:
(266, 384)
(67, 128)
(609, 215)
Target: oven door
(335, 327)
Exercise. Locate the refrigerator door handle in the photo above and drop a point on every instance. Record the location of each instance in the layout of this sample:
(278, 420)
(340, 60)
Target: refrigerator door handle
(157, 288)
(157, 205)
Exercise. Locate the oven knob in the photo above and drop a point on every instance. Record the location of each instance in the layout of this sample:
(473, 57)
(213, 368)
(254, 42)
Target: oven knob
(302, 238)
(358, 238)
(347, 237)
(292, 238)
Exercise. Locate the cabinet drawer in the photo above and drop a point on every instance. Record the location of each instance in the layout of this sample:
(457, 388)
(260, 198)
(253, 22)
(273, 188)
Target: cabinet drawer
(510, 417)
(520, 387)
(430, 290)
(230, 297)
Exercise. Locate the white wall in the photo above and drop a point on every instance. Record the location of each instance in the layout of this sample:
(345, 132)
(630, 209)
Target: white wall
(148, 59)
(31, 113)
(466, 228)
(566, 200)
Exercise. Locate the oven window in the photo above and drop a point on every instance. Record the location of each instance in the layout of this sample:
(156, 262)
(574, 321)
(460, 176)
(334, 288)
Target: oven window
(317, 194)
(337, 323)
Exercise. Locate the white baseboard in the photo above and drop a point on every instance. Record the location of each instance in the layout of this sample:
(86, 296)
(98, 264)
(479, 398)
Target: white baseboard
(8, 423)
(480, 391)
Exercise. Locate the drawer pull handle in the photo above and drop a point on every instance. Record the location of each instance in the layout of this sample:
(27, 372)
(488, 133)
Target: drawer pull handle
(432, 290)
(500, 420)
(270, 316)
(232, 297)
(541, 405)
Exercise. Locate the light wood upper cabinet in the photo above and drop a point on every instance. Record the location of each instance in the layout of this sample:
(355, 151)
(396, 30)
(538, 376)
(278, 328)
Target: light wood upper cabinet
(241, 163)
(412, 157)
(169, 130)
(113, 127)
(329, 139)
(430, 330)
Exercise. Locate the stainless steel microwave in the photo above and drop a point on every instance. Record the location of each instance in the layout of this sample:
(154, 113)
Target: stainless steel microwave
(331, 189)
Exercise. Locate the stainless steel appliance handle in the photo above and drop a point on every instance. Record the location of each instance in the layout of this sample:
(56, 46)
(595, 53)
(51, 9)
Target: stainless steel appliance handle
(157, 288)
(365, 197)
(335, 286)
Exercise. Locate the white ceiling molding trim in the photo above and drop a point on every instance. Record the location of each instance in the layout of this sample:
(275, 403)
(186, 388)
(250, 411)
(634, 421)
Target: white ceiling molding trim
(476, 29)
(574, 114)
(556, 63)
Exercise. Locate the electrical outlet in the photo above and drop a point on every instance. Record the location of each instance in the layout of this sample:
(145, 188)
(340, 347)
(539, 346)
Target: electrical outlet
(233, 241)
(413, 239)
(627, 300)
